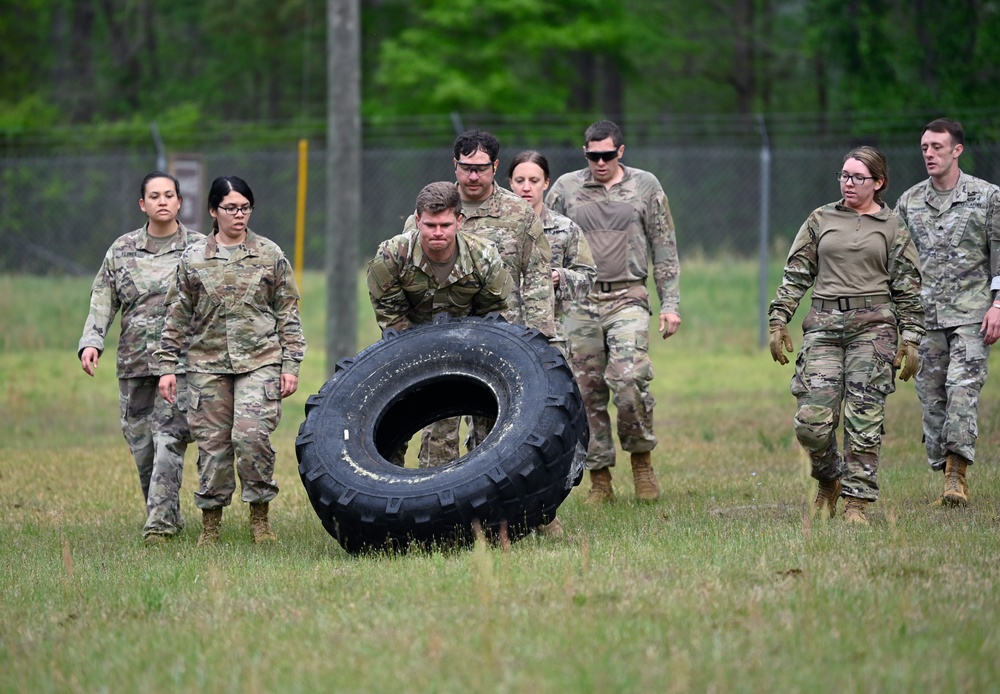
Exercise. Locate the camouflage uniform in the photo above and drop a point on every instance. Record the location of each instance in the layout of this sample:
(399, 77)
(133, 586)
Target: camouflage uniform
(515, 229)
(609, 331)
(405, 292)
(133, 279)
(849, 340)
(572, 259)
(959, 248)
(510, 223)
(244, 333)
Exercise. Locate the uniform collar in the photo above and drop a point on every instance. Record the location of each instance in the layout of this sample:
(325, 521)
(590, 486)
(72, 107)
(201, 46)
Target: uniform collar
(883, 211)
(250, 245)
(588, 177)
(420, 259)
(959, 193)
(145, 240)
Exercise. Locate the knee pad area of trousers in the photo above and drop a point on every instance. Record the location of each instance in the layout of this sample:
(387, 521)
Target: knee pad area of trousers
(814, 426)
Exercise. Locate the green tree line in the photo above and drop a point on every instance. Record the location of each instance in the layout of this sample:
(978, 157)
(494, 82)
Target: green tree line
(67, 62)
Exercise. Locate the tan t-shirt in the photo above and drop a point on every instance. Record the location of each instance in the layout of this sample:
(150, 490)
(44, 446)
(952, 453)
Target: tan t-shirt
(442, 269)
(162, 241)
(227, 251)
(469, 209)
(940, 196)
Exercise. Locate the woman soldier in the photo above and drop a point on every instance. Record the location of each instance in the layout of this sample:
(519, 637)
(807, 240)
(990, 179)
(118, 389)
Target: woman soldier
(858, 257)
(133, 279)
(237, 293)
(573, 268)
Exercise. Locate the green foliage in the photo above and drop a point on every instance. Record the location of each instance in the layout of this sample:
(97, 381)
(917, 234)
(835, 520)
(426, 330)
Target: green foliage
(114, 61)
(248, 60)
(899, 56)
(24, 55)
(30, 112)
(494, 55)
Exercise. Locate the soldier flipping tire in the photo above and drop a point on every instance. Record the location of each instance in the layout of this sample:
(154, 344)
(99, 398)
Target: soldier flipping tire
(515, 479)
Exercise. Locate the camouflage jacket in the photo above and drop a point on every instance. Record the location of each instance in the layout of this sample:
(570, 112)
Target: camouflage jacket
(404, 290)
(571, 258)
(637, 206)
(898, 268)
(510, 223)
(959, 248)
(242, 311)
(133, 279)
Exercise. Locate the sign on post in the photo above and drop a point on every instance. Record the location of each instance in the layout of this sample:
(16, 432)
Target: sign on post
(189, 170)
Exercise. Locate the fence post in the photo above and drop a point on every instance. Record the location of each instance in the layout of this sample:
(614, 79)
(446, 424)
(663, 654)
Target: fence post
(343, 179)
(765, 213)
(161, 151)
(300, 210)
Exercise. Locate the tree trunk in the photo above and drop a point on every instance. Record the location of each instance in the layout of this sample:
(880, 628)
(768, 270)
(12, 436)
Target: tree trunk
(612, 89)
(73, 71)
(582, 95)
(743, 76)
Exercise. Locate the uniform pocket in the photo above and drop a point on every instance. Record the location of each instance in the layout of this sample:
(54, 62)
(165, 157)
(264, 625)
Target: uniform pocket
(272, 389)
(128, 291)
(976, 350)
(800, 384)
(461, 294)
(642, 341)
(193, 399)
(258, 292)
(881, 377)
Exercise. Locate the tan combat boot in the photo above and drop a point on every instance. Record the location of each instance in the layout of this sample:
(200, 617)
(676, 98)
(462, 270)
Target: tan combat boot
(646, 486)
(600, 488)
(211, 526)
(854, 510)
(260, 526)
(827, 495)
(956, 489)
(552, 529)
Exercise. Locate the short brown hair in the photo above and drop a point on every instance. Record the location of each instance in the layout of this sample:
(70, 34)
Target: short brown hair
(439, 197)
(603, 129)
(529, 156)
(877, 165)
(947, 125)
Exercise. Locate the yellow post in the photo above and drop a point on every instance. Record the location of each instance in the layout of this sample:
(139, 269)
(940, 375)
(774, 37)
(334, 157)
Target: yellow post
(300, 210)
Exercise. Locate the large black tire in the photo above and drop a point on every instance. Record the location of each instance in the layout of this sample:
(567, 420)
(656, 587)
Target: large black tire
(378, 399)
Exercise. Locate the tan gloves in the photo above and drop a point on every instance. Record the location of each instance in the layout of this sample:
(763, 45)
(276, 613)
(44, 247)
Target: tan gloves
(780, 338)
(907, 351)
(906, 355)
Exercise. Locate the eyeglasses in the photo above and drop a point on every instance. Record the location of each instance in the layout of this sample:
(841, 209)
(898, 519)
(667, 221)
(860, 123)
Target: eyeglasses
(478, 169)
(858, 179)
(601, 156)
(245, 209)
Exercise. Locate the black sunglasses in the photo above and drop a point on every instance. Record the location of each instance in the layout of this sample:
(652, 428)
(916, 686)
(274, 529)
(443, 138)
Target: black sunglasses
(601, 156)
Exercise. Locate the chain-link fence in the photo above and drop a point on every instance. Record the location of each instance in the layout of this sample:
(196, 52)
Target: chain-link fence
(59, 214)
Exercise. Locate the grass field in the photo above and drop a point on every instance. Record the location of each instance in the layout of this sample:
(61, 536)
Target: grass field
(725, 585)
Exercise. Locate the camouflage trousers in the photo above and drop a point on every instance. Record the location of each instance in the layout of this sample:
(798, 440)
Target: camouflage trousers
(953, 365)
(157, 435)
(439, 441)
(232, 417)
(608, 336)
(845, 364)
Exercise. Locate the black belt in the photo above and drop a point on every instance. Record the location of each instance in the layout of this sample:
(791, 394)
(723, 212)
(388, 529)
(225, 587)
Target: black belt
(849, 303)
(615, 286)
